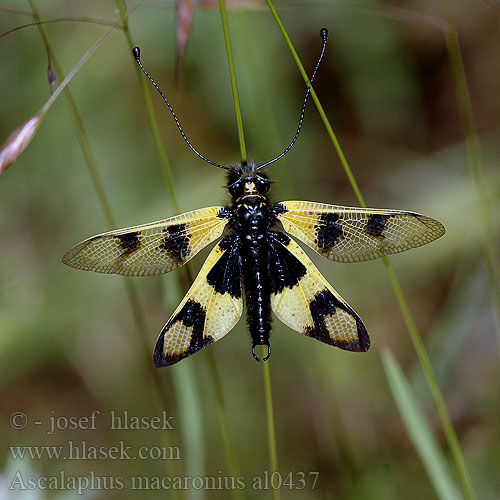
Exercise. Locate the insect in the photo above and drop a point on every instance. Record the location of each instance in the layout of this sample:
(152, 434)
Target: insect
(255, 260)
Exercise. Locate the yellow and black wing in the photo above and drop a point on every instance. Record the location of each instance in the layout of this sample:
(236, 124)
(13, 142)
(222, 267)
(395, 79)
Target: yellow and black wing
(303, 299)
(350, 234)
(211, 307)
(149, 249)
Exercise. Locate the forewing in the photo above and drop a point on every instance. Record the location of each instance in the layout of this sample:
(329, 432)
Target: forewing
(350, 234)
(303, 299)
(212, 306)
(149, 249)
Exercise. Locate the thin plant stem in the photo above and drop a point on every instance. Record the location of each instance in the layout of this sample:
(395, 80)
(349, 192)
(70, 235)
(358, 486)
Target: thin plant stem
(271, 433)
(99, 22)
(476, 164)
(138, 313)
(232, 75)
(271, 429)
(227, 437)
(153, 122)
(179, 384)
(321, 111)
(228, 441)
(16, 11)
(79, 127)
(448, 429)
(221, 407)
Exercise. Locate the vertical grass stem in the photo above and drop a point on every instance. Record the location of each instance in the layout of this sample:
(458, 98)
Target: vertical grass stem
(225, 425)
(273, 452)
(232, 75)
(271, 428)
(153, 122)
(476, 165)
(416, 338)
(131, 290)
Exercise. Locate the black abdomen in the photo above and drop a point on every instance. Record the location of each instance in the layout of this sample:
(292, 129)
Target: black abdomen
(257, 294)
(253, 224)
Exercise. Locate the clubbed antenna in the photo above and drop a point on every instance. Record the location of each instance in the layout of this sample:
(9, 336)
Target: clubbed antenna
(136, 51)
(324, 36)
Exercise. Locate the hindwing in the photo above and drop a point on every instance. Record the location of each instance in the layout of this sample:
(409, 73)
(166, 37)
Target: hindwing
(350, 234)
(303, 299)
(149, 249)
(211, 307)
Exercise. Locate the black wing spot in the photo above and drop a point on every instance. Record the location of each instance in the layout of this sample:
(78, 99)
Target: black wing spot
(176, 242)
(129, 242)
(376, 224)
(191, 315)
(285, 270)
(326, 304)
(328, 231)
(225, 275)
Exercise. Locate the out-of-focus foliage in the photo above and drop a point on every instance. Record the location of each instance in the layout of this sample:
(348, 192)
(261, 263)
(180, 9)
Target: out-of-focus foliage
(68, 342)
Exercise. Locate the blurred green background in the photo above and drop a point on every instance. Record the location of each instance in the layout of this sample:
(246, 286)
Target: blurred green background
(69, 343)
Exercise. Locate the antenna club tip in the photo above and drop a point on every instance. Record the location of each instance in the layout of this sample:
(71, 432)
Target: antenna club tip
(323, 34)
(136, 51)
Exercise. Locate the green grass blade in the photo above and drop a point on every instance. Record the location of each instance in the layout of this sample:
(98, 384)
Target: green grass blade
(153, 122)
(319, 107)
(91, 164)
(232, 75)
(425, 363)
(184, 383)
(139, 317)
(271, 433)
(193, 433)
(227, 437)
(476, 164)
(416, 338)
(271, 428)
(77, 120)
(420, 433)
(186, 389)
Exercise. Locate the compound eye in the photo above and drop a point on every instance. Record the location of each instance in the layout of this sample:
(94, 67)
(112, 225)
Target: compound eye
(236, 188)
(263, 184)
